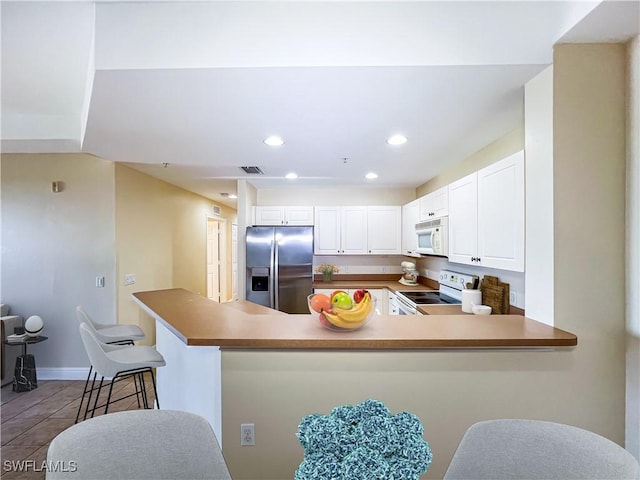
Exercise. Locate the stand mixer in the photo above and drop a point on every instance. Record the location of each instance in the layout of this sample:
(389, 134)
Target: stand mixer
(409, 274)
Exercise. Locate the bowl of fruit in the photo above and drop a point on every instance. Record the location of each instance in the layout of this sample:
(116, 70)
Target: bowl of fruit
(342, 312)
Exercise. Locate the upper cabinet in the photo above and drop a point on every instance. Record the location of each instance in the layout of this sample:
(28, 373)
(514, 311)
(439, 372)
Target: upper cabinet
(283, 216)
(486, 216)
(410, 216)
(357, 230)
(384, 230)
(434, 204)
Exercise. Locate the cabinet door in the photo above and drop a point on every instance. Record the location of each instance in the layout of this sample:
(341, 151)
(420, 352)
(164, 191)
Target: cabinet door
(463, 220)
(353, 230)
(326, 231)
(440, 202)
(501, 214)
(426, 207)
(435, 204)
(410, 216)
(269, 216)
(384, 235)
(298, 216)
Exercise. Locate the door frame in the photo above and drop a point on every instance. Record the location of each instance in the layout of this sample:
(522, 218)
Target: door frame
(223, 257)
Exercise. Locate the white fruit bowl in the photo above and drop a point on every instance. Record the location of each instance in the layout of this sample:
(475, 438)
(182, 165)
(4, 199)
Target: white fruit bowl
(342, 320)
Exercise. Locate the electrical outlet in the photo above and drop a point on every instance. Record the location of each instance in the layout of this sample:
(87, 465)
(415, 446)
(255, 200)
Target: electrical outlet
(513, 298)
(99, 282)
(247, 434)
(129, 279)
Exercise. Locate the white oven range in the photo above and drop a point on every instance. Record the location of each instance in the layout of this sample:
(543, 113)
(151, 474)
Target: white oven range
(450, 292)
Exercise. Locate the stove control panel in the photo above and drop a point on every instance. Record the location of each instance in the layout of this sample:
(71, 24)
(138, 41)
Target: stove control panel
(458, 280)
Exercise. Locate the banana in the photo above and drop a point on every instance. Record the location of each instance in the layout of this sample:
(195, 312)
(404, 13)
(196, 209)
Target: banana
(338, 322)
(359, 313)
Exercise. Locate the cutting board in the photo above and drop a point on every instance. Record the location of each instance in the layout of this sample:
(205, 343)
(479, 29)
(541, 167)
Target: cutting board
(495, 294)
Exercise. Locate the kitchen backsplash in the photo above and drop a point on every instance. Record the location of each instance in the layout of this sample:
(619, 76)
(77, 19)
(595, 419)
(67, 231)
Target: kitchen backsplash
(362, 264)
(431, 266)
(428, 267)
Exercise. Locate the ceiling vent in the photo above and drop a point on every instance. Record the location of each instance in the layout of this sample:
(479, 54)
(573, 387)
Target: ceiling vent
(252, 170)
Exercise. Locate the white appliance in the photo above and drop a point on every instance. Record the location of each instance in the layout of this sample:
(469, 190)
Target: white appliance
(433, 237)
(450, 292)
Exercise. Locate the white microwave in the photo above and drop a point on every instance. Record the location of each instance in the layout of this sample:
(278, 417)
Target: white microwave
(433, 237)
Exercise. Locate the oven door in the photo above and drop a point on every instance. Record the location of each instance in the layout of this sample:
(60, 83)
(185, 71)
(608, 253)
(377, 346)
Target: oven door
(405, 308)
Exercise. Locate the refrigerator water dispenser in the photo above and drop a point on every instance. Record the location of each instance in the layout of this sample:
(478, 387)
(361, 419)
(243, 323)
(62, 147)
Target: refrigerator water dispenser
(259, 279)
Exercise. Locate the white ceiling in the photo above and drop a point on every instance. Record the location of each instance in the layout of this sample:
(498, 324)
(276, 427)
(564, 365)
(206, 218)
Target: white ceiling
(198, 85)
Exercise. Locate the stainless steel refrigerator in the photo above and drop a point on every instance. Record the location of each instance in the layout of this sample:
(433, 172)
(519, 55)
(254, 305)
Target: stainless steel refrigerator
(280, 267)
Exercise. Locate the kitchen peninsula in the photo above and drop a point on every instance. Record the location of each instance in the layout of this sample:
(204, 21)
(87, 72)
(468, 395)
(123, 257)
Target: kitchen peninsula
(204, 344)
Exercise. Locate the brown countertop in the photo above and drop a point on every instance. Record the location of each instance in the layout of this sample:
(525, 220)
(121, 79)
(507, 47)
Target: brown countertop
(199, 321)
(392, 285)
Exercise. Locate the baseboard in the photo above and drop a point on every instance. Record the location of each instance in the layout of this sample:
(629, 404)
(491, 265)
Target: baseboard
(62, 373)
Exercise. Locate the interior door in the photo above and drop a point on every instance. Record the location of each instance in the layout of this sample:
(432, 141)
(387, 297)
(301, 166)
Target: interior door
(213, 259)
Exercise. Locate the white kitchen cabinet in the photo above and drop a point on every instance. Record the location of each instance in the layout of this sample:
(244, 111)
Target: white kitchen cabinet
(410, 216)
(434, 204)
(353, 230)
(486, 216)
(357, 230)
(384, 230)
(283, 215)
(340, 231)
(463, 219)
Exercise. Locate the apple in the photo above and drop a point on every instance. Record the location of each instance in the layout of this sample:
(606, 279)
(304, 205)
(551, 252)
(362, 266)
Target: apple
(358, 295)
(335, 292)
(341, 300)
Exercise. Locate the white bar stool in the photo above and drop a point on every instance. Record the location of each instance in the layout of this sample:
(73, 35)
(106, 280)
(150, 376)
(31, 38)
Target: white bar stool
(117, 362)
(119, 334)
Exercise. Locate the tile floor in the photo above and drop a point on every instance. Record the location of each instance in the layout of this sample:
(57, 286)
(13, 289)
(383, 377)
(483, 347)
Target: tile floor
(30, 420)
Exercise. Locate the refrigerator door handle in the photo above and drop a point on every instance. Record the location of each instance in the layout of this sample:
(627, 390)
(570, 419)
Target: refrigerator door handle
(275, 280)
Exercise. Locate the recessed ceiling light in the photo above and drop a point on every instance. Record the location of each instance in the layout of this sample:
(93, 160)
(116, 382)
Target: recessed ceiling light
(291, 175)
(233, 195)
(228, 195)
(397, 140)
(371, 176)
(273, 141)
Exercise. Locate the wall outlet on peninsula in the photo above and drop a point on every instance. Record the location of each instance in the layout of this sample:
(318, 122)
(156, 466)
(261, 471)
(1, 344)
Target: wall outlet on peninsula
(247, 434)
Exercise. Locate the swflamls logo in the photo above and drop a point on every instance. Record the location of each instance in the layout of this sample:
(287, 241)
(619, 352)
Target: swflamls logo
(44, 466)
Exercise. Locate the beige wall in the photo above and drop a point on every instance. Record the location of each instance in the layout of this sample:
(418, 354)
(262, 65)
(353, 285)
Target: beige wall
(335, 196)
(633, 249)
(503, 147)
(54, 245)
(161, 238)
(449, 391)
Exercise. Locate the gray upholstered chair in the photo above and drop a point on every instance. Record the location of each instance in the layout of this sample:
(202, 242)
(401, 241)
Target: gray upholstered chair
(536, 450)
(138, 444)
(117, 362)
